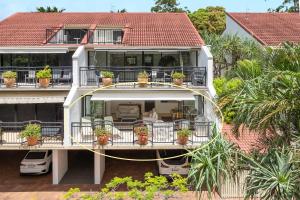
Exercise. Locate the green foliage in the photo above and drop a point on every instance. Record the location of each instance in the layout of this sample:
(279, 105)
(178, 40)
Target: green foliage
(143, 74)
(44, 73)
(210, 20)
(102, 132)
(185, 132)
(246, 70)
(9, 74)
(49, 9)
(287, 6)
(141, 130)
(219, 85)
(107, 74)
(31, 130)
(274, 176)
(167, 6)
(177, 75)
(212, 164)
(153, 187)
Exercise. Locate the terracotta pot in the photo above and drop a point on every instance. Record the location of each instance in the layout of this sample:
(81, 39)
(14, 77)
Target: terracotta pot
(31, 141)
(178, 81)
(44, 82)
(9, 82)
(103, 139)
(182, 140)
(143, 82)
(107, 81)
(143, 139)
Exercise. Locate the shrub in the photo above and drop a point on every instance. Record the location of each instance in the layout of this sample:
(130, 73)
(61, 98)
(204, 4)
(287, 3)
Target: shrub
(219, 85)
(31, 130)
(44, 73)
(102, 132)
(185, 132)
(107, 74)
(141, 130)
(9, 74)
(143, 74)
(178, 75)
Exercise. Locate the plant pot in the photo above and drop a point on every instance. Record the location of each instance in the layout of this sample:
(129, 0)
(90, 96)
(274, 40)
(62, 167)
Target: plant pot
(143, 82)
(44, 82)
(9, 82)
(103, 139)
(178, 82)
(32, 141)
(183, 140)
(143, 139)
(106, 81)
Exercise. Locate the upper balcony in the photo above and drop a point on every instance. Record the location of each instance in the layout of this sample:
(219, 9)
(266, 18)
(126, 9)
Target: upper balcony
(61, 77)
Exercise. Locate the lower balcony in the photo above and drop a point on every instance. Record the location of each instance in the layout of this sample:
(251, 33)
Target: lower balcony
(51, 134)
(92, 76)
(123, 134)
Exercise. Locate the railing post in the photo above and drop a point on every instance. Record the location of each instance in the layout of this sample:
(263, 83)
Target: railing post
(152, 133)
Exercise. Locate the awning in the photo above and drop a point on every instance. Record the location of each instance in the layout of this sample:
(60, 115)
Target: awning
(32, 98)
(143, 95)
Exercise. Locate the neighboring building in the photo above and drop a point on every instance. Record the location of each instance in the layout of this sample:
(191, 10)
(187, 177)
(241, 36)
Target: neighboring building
(78, 46)
(268, 29)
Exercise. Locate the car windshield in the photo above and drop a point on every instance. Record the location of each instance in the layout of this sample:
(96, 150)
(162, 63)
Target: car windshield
(35, 155)
(170, 153)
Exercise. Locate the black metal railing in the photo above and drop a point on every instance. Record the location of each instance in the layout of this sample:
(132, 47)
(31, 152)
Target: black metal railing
(91, 76)
(51, 132)
(124, 132)
(65, 36)
(26, 76)
(105, 36)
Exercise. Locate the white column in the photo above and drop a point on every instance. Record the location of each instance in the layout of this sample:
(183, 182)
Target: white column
(59, 165)
(79, 60)
(99, 166)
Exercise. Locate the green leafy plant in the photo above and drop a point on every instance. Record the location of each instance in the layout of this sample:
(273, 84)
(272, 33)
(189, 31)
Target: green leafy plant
(9, 74)
(102, 132)
(141, 130)
(143, 74)
(185, 132)
(31, 130)
(107, 74)
(44, 73)
(177, 75)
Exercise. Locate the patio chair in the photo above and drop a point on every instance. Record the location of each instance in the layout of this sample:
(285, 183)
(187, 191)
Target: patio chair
(198, 77)
(163, 131)
(30, 77)
(56, 75)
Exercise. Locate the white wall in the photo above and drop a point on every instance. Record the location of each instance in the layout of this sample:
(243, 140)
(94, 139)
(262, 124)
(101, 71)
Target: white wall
(205, 58)
(59, 164)
(99, 166)
(80, 59)
(233, 28)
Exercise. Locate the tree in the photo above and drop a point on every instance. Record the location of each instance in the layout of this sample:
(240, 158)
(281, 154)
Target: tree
(49, 9)
(210, 19)
(122, 10)
(287, 6)
(167, 6)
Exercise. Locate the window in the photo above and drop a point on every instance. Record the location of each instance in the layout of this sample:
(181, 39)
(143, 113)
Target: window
(94, 109)
(35, 155)
(108, 36)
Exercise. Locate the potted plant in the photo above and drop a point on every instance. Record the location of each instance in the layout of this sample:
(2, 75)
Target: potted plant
(107, 78)
(143, 78)
(9, 78)
(32, 133)
(142, 134)
(44, 76)
(178, 78)
(183, 136)
(102, 135)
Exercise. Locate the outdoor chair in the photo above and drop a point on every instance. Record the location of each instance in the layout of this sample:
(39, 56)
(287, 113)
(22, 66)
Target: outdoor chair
(30, 77)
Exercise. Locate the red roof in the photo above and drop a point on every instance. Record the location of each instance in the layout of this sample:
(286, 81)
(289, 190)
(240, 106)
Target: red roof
(270, 29)
(141, 29)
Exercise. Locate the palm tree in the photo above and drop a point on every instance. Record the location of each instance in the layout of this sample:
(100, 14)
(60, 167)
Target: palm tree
(212, 164)
(49, 9)
(275, 176)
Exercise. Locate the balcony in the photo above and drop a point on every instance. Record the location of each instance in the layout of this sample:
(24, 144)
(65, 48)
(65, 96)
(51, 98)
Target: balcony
(26, 77)
(194, 76)
(160, 134)
(51, 134)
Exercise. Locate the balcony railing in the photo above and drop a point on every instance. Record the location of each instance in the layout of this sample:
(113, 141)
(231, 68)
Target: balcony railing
(122, 133)
(51, 133)
(26, 76)
(194, 76)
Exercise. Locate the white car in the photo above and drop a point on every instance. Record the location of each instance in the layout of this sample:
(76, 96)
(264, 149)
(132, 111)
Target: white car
(178, 165)
(36, 162)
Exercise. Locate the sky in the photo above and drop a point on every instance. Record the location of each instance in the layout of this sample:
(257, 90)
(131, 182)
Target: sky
(9, 7)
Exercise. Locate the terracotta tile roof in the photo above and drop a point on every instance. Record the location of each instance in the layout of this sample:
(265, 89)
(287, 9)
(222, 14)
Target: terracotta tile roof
(270, 29)
(247, 140)
(141, 29)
